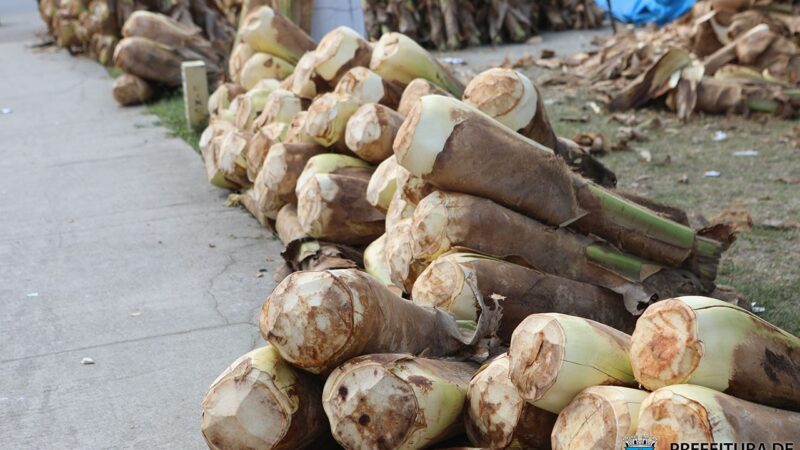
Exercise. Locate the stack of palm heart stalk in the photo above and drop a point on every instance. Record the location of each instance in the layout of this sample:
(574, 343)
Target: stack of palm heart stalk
(422, 231)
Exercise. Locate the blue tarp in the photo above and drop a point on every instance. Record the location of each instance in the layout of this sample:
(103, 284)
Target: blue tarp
(647, 11)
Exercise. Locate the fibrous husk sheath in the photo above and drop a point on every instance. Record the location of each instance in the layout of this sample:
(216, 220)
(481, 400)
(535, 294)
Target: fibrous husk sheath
(296, 133)
(398, 59)
(383, 184)
(445, 142)
(396, 401)
(583, 163)
(221, 98)
(231, 156)
(688, 413)
(303, 253)
(332, 204)
(708, 342)
(371, 130)
(599, 418)
(131, 90)
(327, 118)
(415, 90)
(553, 357)
(209, 144)
(455, 281)
(266, 31)
(239, 55)
(318, 320)
(338, 51)
(369, 87)
(280, 106)
(498, 417)
(260, 401)
(445, 220)
(512, 99)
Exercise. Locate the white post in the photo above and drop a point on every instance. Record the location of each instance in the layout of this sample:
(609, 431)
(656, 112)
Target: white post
(195, 93)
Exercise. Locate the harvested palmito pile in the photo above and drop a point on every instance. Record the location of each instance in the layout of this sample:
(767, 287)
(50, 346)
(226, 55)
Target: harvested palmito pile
(722, 57)
(425, 236)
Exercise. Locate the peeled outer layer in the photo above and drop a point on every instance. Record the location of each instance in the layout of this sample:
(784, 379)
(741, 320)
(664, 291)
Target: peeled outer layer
(375, 261)
(369, 87)
(445, 142)
(553, 357)
(287, 226)
(318, 320)
(283, 165)
(340, 50)
(221, 98)
(371, 131)
(131, 90)
(399, 59)
(331, 163)
(279, 106)
(262, 402)
(305, 81)
(415, 90)
(267, 31)
(209, 145)
(512, 99)
(263, 66)
(498, 417)
(327, 118)
(383, 184)
(231, 156)
(711, 343)
(586, 165)
(296, 133)
(404, 268)
(599, 418)
(688, 413)
(239, 55)
(333, 207)
(396, 401)
(259, 145)
(444, 220)
(399, 208)
(247, 107)
(454, 282)
(149, 60)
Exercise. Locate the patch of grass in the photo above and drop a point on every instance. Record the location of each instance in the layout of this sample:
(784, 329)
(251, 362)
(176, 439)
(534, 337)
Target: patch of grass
(171, 115)
(763, 264)
(114, 71)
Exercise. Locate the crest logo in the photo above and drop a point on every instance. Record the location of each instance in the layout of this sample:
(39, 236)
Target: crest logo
(640, 443)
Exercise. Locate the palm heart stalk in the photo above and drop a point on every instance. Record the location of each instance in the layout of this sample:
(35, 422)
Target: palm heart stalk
(399, 59)
(396, 401)
(498, 417)
(445, 141)
(318, 320)
(689, 413)
(600, 418)
(260, 401)
(454, 282)
(553, 357)
(711, 343)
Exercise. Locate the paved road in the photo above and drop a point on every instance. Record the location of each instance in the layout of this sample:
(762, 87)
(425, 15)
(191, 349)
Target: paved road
(113, 247)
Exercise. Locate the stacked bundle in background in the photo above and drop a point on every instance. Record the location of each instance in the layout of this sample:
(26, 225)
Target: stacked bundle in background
(147, 40)
(419, 224)
(724, 56)
(457, 23)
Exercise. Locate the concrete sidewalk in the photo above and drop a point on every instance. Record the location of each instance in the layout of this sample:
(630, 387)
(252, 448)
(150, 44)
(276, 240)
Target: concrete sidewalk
(114, 247)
